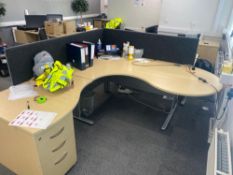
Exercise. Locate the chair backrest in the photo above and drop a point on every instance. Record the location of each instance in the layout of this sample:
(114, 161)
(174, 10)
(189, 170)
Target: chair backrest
(152, 29)
(42, 34)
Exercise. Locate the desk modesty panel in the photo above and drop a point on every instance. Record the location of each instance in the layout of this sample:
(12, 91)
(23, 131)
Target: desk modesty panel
(175, 49)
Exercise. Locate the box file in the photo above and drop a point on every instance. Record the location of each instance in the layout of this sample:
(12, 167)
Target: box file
(91, 53)
(78, 55)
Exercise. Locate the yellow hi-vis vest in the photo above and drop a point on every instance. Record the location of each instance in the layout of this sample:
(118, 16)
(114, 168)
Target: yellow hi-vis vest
(59, 77)
(114, 23)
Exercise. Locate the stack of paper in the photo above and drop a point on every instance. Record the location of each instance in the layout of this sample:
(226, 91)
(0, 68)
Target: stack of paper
(21, 91)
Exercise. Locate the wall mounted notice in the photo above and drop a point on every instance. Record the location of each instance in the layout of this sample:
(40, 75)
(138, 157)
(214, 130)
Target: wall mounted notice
(138, 3)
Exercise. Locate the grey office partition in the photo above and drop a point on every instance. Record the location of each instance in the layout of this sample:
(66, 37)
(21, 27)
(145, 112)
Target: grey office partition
(20, 58)
(175, 49)
(168, 48)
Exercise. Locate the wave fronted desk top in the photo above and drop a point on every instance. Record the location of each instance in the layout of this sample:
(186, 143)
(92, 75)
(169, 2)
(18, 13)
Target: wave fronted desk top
(167, 77)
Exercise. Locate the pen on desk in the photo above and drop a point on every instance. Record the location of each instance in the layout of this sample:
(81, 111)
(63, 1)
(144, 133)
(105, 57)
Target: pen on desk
(28, 105)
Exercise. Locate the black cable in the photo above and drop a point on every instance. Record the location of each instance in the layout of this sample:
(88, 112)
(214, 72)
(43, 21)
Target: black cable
(201, 79)
(229, 97)
(192, 72)
(224, 110)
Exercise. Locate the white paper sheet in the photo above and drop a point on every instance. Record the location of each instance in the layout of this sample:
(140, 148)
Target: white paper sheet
(21, 91)
(33, 119)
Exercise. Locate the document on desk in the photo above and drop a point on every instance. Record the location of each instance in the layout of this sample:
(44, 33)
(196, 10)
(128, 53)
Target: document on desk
(109, 57)
(33, 119)
(21, 91)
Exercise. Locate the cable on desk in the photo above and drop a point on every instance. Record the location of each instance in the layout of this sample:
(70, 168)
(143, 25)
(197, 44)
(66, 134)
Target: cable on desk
(201, 79)
(206, 82)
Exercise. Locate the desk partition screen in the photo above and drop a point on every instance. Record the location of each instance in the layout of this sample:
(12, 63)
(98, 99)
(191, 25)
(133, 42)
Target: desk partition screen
(20, 58)
(175, 49)
(168, 48)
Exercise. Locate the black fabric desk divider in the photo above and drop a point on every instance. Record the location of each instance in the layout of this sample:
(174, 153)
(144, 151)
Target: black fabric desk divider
(20, 58)
(169, 48)
(175, 49)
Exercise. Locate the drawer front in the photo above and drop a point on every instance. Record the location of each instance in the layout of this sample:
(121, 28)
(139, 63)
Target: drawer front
(60, 161)
(57, 148)
(52, 137)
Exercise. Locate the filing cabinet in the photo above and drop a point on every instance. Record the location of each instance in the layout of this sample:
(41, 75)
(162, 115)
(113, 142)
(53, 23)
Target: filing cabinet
(46, 152)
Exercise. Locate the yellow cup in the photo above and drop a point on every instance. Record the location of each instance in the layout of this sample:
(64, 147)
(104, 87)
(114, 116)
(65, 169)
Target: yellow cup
(131, 52)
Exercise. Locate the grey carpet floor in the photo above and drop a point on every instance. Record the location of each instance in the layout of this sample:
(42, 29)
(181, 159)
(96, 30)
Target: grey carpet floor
(126, 140)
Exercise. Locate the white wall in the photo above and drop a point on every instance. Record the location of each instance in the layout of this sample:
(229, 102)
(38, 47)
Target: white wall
(188, 15)
(208, 17)
(104, 6)
(229, 30)
(135, 16)
(202, 16)
(15, 8)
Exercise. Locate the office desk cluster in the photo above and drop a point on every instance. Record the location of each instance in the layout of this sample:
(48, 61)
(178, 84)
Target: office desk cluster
(52, 151)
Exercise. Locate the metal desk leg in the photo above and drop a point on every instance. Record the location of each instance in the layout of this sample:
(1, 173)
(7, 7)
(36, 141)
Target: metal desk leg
(82, 119)
(107, 87)
(170, 115)
(182, 100)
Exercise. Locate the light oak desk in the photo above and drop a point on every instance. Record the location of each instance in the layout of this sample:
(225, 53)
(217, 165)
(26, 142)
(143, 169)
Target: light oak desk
(27, 36)
(52, 151)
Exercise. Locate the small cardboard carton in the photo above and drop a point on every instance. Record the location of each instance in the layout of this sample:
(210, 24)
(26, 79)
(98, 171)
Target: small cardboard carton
(69, 27)
(54, 28)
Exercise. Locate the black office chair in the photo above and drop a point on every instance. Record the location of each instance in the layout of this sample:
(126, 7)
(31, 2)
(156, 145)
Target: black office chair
(42, 34)
(152, 29)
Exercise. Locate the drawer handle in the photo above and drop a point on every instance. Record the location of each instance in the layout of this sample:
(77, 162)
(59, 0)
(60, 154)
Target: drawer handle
(59, 147)
(63, 157)
(58, 133)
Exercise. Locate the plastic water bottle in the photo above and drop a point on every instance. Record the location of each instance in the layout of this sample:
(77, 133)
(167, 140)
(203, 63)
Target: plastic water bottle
(99, 45)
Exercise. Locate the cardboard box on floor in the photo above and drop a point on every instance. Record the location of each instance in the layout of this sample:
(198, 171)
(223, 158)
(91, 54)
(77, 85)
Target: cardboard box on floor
(54, 28)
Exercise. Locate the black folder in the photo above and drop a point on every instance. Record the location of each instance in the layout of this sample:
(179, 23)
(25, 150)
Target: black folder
(78, 55)
(91, 51)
